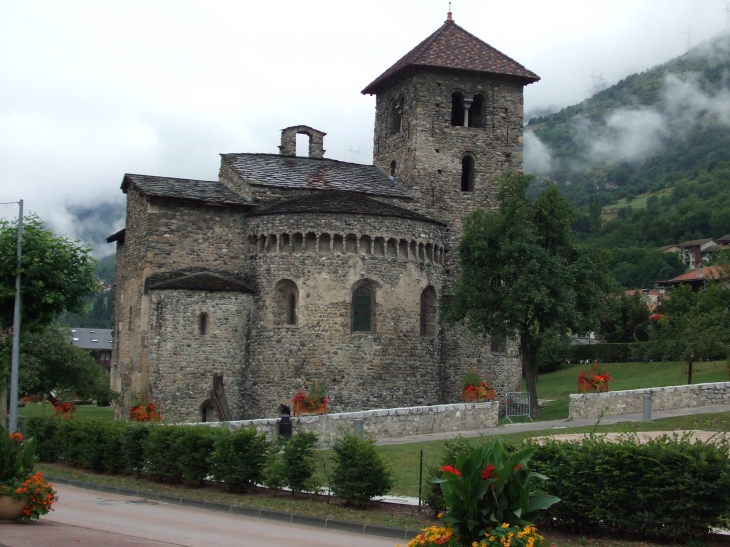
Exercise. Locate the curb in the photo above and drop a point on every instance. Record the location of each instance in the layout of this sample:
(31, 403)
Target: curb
(242, 510)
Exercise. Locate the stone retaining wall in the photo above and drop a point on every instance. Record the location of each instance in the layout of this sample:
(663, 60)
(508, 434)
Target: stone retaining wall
(389, 422)
(590, 405)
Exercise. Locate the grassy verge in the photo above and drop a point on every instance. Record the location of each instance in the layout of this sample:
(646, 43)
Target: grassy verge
(302, 504)
(557, 386)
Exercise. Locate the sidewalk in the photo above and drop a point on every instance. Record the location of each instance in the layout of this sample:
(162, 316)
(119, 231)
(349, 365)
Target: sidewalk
(553, 424)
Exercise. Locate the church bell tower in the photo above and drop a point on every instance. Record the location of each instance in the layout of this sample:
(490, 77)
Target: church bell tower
(449, 117)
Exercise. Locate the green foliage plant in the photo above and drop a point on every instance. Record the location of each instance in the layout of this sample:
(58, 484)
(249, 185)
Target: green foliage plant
(132, 441)
(192, 449)
(274, 473)
(359, 473)
(43, 429)
(161, 458)
(489, 487)
(670, 488)
(298, 461)
(57, 273)
(433, 496)
(17, 458)
(239, 457)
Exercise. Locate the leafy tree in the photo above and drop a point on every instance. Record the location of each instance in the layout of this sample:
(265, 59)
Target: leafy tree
(57, 273)
(359, 474)
(50, 362)
(594, 214)
(695, 326)
(626, 319)
(525, 274)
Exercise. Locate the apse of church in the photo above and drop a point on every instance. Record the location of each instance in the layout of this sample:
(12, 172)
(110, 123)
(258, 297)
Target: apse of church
(289, 270)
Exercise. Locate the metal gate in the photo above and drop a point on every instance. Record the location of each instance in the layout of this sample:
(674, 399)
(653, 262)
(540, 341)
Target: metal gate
(517, 403)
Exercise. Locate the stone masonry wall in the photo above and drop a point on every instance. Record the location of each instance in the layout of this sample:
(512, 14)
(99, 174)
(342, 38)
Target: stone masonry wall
(390, 422)
(128, 368)
(428, 151)
(391, 366)
(590, 405)
(182, 360)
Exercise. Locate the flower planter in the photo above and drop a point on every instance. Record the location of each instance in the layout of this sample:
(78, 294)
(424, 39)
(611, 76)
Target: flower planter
(155, 416)
(301, 409)
(11, 508)
(473, 396)
(585, 386)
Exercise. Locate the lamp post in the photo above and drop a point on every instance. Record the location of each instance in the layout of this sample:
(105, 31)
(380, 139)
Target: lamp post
(13, 417)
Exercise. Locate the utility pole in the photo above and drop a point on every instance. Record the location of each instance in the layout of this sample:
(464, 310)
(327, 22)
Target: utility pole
(13, 421)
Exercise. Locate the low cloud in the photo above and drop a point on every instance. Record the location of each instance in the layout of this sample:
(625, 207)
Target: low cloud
(634, 134)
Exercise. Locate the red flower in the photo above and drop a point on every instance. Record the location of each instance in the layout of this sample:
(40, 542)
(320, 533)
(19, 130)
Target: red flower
(518, 467)
(451, 469)
(488, 471)
(16, 437)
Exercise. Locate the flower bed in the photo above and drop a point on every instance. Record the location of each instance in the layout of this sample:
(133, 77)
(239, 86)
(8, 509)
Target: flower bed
(145, 412)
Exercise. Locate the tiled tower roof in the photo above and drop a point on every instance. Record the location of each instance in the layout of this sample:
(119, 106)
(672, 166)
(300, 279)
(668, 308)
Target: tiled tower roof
(452, 47)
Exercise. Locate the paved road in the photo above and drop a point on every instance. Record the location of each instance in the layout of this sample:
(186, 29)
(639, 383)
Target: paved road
(86, 518)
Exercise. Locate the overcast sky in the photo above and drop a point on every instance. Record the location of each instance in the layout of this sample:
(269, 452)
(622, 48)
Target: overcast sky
(91, 90)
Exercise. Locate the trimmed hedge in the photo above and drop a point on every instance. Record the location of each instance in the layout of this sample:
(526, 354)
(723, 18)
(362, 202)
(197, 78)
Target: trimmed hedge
(668, 488)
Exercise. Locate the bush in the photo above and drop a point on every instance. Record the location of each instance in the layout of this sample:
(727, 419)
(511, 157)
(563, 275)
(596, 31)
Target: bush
(298, 461)
(667, 488)
(554, 352)
(433, 497)
(43, 429)
(159, 453)
(610, 353)
(92, 444)
(71, 437)
(360, 473)
(488, 487)
(131, 447)
(193, 448)
(239, 457)
(274, 472)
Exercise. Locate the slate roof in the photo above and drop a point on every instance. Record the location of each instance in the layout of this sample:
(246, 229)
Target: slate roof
(724, 239)
(196, 281)
(665, 247)
(100, 339)
(207, 191)
(337, 202)
(452, 47)
(302, 173)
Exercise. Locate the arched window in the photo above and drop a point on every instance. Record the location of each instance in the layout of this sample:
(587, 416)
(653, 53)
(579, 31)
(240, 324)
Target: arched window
(286, 302)
(467, 173)
(362, 309)
(478, 111)
(429, 311)
(203, 324)
(457, 108)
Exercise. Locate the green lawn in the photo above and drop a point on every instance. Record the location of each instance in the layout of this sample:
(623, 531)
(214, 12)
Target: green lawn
(559, 385)
(639, 202)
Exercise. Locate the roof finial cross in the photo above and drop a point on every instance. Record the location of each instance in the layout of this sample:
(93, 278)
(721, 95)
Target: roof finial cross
(448, 15)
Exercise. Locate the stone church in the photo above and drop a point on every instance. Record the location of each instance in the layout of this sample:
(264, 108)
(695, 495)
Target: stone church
(289, 270)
